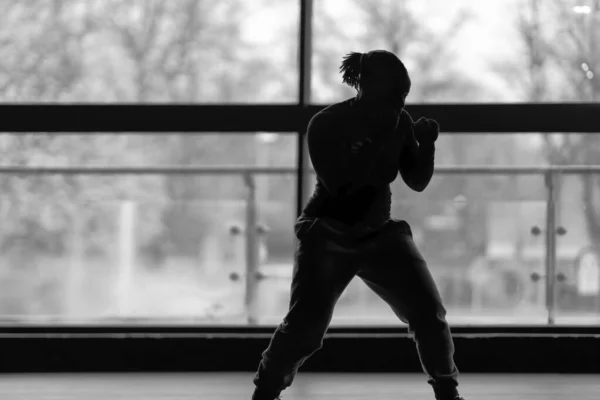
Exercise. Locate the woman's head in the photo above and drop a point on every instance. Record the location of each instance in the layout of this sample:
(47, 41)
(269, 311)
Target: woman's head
(378, 76)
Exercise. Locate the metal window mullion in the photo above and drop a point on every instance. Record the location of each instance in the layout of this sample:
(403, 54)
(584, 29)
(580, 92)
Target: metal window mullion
(304, 86)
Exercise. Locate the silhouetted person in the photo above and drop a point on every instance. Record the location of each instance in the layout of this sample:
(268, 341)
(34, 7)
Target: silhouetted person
(357, 148)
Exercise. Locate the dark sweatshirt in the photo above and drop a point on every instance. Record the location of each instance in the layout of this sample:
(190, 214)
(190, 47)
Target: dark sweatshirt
(353, 186)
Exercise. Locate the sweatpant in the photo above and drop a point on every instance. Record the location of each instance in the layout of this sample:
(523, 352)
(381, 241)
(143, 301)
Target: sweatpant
(327, 257)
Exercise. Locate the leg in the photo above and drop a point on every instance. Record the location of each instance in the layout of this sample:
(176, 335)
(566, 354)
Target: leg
(399, 275)
(320, 276)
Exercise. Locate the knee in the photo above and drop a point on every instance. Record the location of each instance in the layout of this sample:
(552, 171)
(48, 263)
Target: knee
(429, 319)
(306, 338)
(310, 316)
(306, 327)
(309, 327)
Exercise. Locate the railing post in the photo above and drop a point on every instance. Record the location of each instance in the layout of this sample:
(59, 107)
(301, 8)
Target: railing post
(550, 245)
(252, 254)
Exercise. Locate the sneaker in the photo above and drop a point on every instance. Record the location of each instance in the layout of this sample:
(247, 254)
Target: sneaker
(260, 395)
(255, 397)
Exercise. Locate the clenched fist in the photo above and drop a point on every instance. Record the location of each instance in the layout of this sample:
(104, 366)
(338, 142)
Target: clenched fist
(426, 130)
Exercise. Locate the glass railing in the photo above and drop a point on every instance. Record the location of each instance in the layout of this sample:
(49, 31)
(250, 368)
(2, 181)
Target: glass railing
(577, 288)
(104, 259)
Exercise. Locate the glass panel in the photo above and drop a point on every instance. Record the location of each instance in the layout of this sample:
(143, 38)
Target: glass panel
(476, 237)
(98, 248)
(136, 261)
(149, 248)
(149, 51)
(497, 199)
(466, 50)
(518, 149)
(578, 250)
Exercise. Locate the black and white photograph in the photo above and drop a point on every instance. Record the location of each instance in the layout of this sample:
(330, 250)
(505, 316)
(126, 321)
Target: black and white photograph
(300, 199)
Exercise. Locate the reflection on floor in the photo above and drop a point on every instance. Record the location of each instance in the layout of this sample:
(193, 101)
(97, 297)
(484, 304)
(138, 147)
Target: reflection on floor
(307, 386)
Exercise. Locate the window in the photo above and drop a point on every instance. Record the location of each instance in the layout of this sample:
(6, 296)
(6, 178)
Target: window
(129, 243)
(119, 246)
(149, 51)
(466, 51)
(484, 234)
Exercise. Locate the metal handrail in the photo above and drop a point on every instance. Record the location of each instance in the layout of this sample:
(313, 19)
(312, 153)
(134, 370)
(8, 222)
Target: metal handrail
(241, 170)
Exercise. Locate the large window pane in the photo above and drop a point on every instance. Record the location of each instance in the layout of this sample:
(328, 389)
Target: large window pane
(173, 248)
(154, 247)
(205, 51)
(470, 256)
(466, 50)
(468, 234)
(484, 235)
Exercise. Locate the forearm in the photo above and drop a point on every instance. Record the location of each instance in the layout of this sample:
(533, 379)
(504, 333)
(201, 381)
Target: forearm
(417, 169)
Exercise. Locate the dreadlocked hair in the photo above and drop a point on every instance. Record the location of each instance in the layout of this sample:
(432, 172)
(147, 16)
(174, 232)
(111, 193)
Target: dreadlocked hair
(351, 69)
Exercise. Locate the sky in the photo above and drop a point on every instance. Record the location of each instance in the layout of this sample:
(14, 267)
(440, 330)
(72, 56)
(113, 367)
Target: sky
(490, 35)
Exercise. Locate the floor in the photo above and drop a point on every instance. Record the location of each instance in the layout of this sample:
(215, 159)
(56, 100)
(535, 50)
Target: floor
(307, 386)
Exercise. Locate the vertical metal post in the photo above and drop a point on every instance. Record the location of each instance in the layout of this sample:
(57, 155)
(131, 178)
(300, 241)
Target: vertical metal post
(125, 274)
(252, 254)
(306, 17)
(76, 265)
(550, 246)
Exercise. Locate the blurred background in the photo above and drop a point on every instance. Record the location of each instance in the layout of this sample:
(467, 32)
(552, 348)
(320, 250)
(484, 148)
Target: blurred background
(165, 248)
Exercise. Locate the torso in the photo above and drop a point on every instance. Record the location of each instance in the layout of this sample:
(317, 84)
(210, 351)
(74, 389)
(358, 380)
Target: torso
(371, 205)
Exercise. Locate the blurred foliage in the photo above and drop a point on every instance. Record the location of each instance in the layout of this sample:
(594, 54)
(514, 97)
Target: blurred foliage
(182, 51)
(560, 60)
(120, 51)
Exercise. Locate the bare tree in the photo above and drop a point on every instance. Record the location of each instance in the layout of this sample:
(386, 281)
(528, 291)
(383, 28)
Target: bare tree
(562, 64)
(47, 62)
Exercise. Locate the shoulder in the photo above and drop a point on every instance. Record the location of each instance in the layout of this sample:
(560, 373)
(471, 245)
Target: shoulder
(330, 115)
